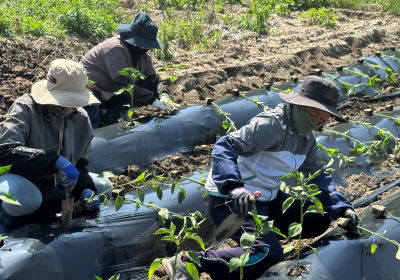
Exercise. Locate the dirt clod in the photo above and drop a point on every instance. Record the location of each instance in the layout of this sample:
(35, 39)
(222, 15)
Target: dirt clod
(378, 210)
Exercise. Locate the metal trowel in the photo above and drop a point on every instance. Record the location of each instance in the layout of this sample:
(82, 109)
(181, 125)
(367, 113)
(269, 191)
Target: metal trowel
(231, 224)
(67, 207)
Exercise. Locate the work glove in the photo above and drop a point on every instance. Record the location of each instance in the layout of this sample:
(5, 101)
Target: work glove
(92, 203)
(69, 174)
(164, 98)
(355, 220)
(157, 104)
(242, 201)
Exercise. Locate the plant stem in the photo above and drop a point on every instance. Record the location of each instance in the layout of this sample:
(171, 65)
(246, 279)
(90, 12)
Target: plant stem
(192, 180)
(393, 217)
(225, 115)
(301, 223)
(348, 137)
(381, 236)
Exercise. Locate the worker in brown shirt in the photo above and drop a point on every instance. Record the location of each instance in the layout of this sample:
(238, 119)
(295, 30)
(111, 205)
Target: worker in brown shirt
(129, 49)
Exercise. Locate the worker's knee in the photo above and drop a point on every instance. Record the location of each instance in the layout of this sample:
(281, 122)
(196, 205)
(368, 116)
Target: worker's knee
(102, 185)
(26, 193)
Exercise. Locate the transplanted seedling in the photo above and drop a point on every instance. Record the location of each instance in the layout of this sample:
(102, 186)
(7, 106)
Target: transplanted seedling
(390, 75)
(257, 102)
(303, 192)
(115, 277)
(171, 69)
(227, 124)
(135, 75)
(247, 240)
(371, 80)
(351, 89)
(344, 161)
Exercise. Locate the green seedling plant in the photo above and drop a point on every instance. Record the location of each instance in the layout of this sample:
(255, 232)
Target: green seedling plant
(384, 134)
(303, 192)
(227, 124)
(371, 80)
(135, 75)
(396, 120)
(115, 277)
(382, 235)
(190, 225)
(247, 240)
(351, 89)
(344, 161)
(257, 102)
(321, 17)
(390, 75)
(166, 36)
(358, 146)
(171, 69)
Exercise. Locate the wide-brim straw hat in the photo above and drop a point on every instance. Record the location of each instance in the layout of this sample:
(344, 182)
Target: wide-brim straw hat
(318, 93)
(66, 86)
(142, 32)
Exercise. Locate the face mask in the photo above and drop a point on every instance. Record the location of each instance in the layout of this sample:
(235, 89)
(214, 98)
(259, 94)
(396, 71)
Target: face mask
(59, 111)
(300, 118)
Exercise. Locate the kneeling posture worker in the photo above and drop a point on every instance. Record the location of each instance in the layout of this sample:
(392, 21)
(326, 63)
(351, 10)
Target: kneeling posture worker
(129, 49)
(255, 158)
(46, 139)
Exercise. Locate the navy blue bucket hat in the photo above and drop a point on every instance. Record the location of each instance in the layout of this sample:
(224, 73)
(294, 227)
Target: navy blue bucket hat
(142, 32)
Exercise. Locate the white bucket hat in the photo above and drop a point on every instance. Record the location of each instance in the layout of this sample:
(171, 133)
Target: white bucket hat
(66, 86)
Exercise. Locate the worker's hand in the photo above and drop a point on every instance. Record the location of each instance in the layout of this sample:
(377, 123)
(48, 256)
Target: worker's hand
(91, 202)
(164, 98)
(157, 104)
(242, 201)
(355, 220)
(69, 174)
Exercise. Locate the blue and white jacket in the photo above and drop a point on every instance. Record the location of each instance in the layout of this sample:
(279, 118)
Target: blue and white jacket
(259, 154)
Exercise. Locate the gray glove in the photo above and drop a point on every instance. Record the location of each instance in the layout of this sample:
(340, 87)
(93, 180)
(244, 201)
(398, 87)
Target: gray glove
(242, 201)
(355, 220)
(157, 104)
(166, 100)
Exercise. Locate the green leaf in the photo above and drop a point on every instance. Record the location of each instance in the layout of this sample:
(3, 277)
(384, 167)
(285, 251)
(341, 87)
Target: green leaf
(163, 214)
(181, 195)
(332, 152)
(158, 191)
(191, 268)
(287, 204)
(4, 170)
(294, 229)
(130, 113)
(140, 178)
(219, 112)
(137, 205)
(318, 203)
(154, 265)
(360, 148)
(193, 257)
(288, 248)
(225, 124)
(385, 142)
(277, 231)
(198, 239)
(162, 231)
(6, 197)
(105, 201)
(315, 250)
(169, 238)
(373, 248)
(140, 195)
(320, 147)
(97, 277)
(312, 209)
(398, 253)
(247, 240)
(330, 162)
(173, 185)
(234, 264)
(118, 203)
(330, 170)
(289, 175)
(181, 66)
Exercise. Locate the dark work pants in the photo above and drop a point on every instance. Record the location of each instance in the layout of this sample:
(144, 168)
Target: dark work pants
(267, 250)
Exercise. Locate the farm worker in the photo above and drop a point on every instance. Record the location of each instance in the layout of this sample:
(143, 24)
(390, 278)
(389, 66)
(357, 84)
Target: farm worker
(129, 49)
(256, 157)
(47, 140)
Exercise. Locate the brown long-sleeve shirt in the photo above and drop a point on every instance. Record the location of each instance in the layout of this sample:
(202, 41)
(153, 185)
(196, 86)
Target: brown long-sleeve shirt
(103, 62)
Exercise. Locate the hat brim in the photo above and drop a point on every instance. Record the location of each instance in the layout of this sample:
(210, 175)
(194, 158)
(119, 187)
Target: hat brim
(125, 32)
(297, 99)
(43, 96)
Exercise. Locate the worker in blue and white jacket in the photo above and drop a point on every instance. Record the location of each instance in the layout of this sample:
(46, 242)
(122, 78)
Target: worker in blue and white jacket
(256, 157)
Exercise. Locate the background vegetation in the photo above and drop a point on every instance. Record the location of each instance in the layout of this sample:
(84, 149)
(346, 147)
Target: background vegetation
(186, 22)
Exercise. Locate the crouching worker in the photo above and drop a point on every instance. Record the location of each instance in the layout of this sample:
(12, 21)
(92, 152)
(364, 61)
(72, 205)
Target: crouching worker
(46, 138)
(255, 158)
(129, 49)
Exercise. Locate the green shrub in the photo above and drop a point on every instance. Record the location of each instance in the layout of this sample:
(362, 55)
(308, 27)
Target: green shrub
(322, 17)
